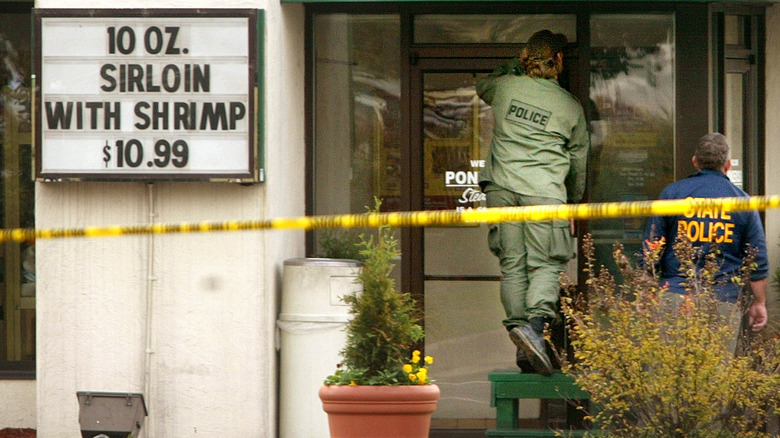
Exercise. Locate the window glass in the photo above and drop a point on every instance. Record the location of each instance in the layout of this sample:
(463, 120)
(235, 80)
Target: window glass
(17, 263)
(739, 100)
(734, 113)
(632, 119)
(734, 30)
(457, 128)
(463, 333)
(463, 29)
(357, 89)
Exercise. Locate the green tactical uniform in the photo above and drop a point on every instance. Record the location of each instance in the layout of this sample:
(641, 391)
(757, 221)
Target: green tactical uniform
(538, 155)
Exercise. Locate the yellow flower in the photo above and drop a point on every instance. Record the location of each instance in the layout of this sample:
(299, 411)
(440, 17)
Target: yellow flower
(415, 359)
(421, 376)
(408, 368)
(412, 377)
(352, 383)
(423, 371)
(428, 360)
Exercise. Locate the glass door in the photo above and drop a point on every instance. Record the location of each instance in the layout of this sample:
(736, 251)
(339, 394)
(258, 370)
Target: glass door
(451, 133)
(463, 311)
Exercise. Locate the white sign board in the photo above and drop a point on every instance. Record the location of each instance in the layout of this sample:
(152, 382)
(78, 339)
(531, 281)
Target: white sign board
(147, 94)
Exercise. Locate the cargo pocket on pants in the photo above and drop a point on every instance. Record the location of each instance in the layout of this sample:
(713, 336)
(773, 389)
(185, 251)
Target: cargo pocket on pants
(561, 242)
(494, 240)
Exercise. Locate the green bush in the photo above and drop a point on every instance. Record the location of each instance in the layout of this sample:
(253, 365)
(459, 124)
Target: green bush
(339, 244)
(660, 370)
(385, 323)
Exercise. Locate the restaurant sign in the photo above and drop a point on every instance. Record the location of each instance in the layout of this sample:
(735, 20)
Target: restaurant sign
(130, 94)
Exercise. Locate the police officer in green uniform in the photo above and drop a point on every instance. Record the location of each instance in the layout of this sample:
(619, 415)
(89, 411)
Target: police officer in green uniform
(538, 156)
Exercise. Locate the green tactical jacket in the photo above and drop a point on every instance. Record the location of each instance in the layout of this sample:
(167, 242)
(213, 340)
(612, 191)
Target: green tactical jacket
(540, 138)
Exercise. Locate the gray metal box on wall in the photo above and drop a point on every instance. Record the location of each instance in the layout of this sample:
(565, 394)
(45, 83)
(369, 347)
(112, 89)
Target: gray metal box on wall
(110, 414)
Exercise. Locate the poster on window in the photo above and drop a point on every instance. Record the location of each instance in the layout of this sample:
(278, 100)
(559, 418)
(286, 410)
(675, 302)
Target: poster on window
(131, 94)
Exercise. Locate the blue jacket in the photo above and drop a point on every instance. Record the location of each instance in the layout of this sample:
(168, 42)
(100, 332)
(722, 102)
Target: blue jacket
(732, 231)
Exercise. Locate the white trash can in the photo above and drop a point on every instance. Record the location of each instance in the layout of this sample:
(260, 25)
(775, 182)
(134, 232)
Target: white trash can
(311, 326)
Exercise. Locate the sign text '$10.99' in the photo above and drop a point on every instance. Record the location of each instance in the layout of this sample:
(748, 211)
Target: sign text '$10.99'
(131, 154)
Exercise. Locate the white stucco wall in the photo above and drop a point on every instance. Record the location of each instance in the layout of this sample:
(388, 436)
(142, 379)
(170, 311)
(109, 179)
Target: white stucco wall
(214, 297)
(773, 149)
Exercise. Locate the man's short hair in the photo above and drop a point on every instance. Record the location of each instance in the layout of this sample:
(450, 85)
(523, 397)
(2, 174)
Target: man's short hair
(713, 151)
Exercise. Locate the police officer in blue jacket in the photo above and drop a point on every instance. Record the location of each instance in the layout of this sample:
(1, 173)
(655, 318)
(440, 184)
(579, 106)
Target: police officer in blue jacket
(733, 232)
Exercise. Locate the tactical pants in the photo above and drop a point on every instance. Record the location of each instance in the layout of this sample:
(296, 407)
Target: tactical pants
(532, 255)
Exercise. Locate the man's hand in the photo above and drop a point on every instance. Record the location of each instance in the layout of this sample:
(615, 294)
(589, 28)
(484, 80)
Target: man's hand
(757, 311)
(757, 316)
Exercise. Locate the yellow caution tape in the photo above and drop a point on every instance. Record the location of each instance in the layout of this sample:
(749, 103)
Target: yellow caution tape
(690, 206)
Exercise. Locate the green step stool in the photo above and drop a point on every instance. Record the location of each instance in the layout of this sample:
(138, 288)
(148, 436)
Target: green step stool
(507, 387)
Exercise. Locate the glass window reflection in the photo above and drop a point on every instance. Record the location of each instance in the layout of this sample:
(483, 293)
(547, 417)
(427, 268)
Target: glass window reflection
(457, 127)
(632, 108)
(474, 28)
(17, 210)
(357, 114)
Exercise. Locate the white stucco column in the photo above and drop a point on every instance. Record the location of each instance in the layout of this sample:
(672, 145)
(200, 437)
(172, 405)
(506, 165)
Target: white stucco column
(772, 138)
(772, 128)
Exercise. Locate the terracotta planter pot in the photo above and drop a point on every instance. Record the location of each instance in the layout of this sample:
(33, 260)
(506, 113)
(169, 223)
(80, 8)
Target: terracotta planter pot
(379, 411)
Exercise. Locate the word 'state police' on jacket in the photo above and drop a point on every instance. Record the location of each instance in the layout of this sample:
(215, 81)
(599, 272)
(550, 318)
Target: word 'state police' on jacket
(732, 232)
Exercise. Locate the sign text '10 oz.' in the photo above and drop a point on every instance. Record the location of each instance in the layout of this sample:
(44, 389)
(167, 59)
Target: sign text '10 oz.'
(130, 153)
(155, 39)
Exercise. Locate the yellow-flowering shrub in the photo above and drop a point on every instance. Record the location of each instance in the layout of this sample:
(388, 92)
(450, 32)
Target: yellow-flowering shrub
(659, 370)
(385, 324)
(417, 369)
